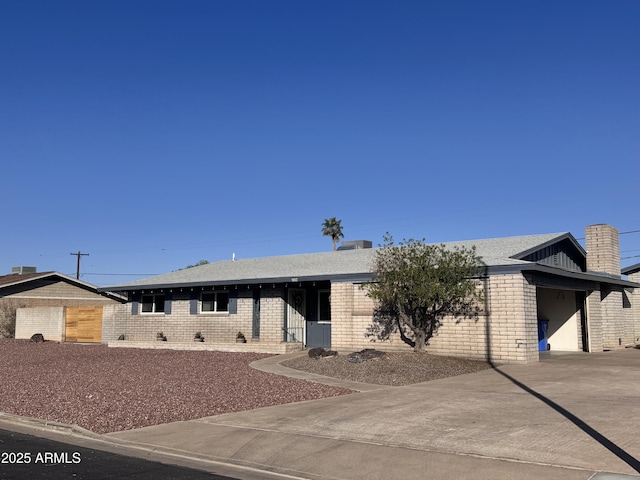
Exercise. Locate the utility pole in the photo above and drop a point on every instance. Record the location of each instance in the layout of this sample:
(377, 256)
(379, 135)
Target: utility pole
(78, 254)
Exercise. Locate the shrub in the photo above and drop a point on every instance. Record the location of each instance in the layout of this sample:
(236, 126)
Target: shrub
(8, 310)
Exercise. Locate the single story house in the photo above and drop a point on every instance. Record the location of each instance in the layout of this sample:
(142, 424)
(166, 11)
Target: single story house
(541, 291)
(59, 307)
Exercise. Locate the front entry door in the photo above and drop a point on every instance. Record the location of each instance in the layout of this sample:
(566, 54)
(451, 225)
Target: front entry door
(296, 315)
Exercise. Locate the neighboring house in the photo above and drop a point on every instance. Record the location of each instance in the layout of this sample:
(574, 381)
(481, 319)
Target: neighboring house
(60, 307)
(317, 300)
(633, 274)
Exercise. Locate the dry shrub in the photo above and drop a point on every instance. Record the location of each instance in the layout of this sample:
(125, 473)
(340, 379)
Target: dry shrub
(8, 310)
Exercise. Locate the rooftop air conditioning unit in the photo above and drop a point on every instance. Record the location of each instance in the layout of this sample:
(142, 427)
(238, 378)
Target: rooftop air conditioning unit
(355, 245)
(22, 270)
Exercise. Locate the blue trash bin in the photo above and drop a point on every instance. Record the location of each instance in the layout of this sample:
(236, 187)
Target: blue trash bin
(543, 328)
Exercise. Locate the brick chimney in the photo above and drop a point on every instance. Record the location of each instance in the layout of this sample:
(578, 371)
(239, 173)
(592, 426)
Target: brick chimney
(603, 249)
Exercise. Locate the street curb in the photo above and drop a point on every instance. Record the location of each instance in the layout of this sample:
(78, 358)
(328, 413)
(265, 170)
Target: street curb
(193, 460)
(49, 425)
(188, 458)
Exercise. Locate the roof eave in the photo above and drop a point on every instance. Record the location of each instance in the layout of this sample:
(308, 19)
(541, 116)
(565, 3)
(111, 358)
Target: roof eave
(631, 269)
(350, 277)
(590, 276)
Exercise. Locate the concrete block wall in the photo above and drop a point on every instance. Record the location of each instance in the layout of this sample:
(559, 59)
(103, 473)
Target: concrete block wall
(49, 321)
(507, 332)
(180, 325)
(245, 311)
(579, 329)
(461, 338)
(613, 317)
(272, 315)
(628, 320)
(634, 298)
(594, 321)
(351, 319)
(513, 321)
(343, 334)
(611, 324)
(114, 321)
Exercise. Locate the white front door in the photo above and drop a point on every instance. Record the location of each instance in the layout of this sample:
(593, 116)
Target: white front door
(296, 316)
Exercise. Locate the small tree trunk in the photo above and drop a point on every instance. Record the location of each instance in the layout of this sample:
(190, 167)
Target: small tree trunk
(420, 340)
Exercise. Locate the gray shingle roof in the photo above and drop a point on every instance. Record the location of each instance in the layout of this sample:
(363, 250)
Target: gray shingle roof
(353, 264)
(631, 269)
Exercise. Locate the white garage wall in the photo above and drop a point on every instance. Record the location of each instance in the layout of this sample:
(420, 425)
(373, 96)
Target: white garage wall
(559, 307)
(49, 321)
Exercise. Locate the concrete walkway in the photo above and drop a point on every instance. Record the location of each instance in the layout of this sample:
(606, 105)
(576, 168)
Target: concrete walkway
(572, 416)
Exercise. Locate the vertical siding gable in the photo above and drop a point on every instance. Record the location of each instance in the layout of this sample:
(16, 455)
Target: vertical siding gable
(560, 255)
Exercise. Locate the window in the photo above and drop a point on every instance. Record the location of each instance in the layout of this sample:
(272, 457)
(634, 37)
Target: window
(215, 302)
(153, 303)
(324, 305)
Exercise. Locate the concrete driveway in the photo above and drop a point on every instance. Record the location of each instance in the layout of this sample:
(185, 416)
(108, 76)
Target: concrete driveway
(570, 416)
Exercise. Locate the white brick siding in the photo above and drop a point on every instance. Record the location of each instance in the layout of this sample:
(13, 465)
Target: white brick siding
(49, 321)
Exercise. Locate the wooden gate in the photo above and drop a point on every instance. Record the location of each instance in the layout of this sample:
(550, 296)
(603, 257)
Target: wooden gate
(83, 324)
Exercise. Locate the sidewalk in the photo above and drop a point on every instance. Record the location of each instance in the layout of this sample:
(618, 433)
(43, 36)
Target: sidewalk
(570, 416)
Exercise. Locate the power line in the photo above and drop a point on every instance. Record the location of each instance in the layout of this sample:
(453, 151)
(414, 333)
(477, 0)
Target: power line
(619, 233)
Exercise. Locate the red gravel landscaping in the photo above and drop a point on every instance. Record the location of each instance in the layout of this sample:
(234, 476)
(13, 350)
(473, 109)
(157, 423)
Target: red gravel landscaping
(107, 390)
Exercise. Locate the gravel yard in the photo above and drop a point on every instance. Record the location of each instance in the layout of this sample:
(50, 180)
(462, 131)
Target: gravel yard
(390, 369)
(107, 390)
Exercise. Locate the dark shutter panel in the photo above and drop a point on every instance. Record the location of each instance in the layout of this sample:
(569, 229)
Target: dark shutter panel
(193, 303)
(167, 304)
(233, 302)
(134, 297)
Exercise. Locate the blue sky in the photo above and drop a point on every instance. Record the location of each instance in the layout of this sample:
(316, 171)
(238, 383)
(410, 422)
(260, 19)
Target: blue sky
(153, 134)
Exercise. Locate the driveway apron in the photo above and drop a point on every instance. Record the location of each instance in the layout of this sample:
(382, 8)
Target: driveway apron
(577, 411)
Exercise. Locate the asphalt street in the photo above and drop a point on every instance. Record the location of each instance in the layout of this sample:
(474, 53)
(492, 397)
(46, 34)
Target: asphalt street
(28, 457)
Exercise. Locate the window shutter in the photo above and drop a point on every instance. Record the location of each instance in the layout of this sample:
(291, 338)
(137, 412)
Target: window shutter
(233, 302)
(167, 304)
(134, 303)
(193, 303)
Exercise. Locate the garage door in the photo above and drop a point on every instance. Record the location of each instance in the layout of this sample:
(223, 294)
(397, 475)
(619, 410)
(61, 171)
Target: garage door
(83, 324)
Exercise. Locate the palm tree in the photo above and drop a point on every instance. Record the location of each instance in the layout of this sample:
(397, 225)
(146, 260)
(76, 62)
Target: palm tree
(331, 227)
